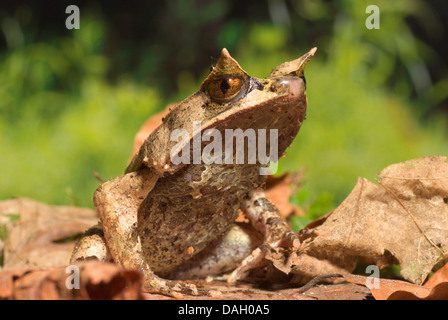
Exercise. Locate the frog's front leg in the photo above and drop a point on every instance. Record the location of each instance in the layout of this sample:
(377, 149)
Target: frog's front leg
(117, 202)
(264, 217)
(92, 246)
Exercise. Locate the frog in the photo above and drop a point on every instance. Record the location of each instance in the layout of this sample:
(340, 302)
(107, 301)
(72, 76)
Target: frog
(174, 219)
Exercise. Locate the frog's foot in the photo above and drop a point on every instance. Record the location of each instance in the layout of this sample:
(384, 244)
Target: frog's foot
(264, 217)
(257, 258)
(254, 260)
(175, 289)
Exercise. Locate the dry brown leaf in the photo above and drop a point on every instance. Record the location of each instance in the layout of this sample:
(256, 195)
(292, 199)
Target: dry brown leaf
(388, 289)
(34, 239)
(440, 276)
(306, 267)
(403, 219)
(439, 292)
(96, 281)
(384, 288)
(279, 189)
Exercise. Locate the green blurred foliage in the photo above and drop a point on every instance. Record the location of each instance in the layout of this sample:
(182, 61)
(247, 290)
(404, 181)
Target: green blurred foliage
(71, 103)
(61, 119)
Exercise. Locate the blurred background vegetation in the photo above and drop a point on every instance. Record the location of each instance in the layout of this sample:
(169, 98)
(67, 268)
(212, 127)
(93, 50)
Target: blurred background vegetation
(71, 101)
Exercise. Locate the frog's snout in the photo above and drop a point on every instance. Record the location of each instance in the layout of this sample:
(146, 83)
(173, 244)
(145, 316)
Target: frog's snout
(296, 87)
(292, 87)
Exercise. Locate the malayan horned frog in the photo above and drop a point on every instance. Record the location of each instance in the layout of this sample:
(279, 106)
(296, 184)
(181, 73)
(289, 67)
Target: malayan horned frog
(171, 215)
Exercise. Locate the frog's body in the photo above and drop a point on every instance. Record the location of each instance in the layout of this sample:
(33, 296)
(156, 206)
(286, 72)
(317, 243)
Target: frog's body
(161, 214)
(171, 221)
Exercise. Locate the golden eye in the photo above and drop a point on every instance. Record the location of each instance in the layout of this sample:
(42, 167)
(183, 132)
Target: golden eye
(226, 90)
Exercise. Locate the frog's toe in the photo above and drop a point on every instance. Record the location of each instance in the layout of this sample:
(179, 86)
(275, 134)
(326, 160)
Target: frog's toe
(179, 289)
(254, 260)
(176, 289)
(290, 240)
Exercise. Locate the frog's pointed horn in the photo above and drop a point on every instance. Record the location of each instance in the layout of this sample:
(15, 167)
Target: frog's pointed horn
(295, 67)
(226, 64)
(303, 60)
(225, 53)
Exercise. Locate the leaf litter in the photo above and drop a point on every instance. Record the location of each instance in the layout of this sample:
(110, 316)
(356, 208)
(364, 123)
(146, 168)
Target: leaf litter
(402, 219)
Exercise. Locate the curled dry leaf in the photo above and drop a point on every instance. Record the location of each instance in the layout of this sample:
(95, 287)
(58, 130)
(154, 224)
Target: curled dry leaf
(306, 266)
(343, 291)
(403, 219)
(436, 288)
(96, 281)
(40, 234)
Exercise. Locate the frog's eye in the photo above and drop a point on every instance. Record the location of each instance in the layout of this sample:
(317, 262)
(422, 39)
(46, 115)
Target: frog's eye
(226, 89)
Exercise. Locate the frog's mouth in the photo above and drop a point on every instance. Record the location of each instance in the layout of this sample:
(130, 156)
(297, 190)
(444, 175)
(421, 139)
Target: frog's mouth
(230, 99)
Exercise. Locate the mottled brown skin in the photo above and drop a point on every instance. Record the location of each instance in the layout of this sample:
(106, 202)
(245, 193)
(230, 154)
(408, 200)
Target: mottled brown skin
(160, 215)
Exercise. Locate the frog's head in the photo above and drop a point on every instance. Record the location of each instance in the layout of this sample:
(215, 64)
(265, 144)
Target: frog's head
(237, 100)
(231, 99)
